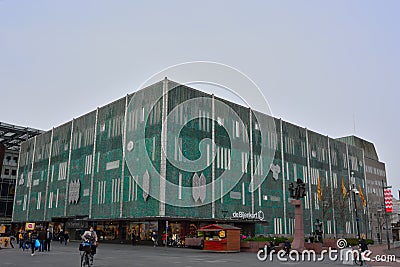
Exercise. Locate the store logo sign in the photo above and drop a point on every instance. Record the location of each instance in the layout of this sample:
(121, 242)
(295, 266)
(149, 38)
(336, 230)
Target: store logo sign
(248, 215)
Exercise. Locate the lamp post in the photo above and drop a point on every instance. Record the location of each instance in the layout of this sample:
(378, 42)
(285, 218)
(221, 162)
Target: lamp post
(355, 191)
(379, 225)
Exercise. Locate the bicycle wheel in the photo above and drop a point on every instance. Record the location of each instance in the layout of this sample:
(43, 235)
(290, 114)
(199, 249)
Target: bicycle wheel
(87, 259)
(358, 261)
(83, 259)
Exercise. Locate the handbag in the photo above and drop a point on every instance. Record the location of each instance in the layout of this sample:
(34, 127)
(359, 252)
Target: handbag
(37, 243)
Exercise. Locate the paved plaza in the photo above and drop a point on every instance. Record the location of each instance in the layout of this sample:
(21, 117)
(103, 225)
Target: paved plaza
(127, 255)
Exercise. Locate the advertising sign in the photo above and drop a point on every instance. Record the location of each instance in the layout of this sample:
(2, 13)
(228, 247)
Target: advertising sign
(29, 226)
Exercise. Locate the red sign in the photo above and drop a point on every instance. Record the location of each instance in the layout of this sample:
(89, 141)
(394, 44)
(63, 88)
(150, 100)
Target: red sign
(388, 200)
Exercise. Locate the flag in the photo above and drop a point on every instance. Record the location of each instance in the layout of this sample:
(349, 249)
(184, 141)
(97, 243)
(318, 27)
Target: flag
(388, 200)
(319, 189)
(362, 196)
(344, 191)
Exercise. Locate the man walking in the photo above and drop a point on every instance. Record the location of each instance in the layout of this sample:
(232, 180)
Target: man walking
(49, 236)
(42, 239)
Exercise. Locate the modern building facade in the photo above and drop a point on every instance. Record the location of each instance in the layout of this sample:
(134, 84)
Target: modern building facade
(145, 163)
(375, 174)
(11, 136)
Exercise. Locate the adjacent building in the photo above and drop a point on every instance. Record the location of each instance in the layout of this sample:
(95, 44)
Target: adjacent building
(173, 158)
(375, 174)
(11, 136)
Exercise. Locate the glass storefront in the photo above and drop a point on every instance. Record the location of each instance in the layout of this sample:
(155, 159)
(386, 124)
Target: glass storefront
(142, 230)
(107, 230)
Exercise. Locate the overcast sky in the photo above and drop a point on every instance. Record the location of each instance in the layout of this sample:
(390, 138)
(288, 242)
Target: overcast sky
(330, 66)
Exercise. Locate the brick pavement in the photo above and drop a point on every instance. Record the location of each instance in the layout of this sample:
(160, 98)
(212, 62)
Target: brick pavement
(381, 249)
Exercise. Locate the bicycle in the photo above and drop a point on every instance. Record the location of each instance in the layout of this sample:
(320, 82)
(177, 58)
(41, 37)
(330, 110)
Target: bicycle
(85, 249)
(358, 258)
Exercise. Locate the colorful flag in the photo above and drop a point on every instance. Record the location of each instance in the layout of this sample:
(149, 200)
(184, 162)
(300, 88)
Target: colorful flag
(319, 189)
(388, 200)
(344, 190)
(362, 196)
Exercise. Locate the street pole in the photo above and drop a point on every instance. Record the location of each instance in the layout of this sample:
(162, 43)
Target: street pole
(354, 189)
(355, 209)
(386, 216)
(387, 231)
(379, 226)
(166, 233)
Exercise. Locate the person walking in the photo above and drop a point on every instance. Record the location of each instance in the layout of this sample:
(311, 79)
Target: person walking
(66, 237)
(155, 239)
(21, 240)
(42, 239)
(33, 238)
(61, 236)
(133, 237)
(364, 247)
(26, 240)
(12, 238)
(49, 237)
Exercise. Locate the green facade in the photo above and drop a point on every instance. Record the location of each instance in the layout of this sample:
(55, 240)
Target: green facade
(94, 166)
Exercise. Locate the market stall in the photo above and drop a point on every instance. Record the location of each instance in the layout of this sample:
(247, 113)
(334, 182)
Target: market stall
(221, 237)
(5, 242)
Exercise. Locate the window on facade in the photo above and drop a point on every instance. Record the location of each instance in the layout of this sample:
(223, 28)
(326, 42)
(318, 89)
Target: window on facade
(13, 172)
(6, 171)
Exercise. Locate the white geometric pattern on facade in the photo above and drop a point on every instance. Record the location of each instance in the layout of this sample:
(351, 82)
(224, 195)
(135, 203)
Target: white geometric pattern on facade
(276, 170)
(21, 180)
(146, 185)
(202, 188)
(195, 187)
(74, 192)
(199, 187)
(130, 146)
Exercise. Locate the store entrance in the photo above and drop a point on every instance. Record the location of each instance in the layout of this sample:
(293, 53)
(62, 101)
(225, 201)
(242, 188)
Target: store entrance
(142, 231)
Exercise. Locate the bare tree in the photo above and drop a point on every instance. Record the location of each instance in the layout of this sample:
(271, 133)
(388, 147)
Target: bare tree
(342, 213)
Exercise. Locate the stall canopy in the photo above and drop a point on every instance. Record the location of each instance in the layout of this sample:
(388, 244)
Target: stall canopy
(221, 237)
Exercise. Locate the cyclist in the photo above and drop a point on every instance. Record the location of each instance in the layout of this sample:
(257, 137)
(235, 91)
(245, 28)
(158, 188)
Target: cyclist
(91, 237)
(363, 247)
